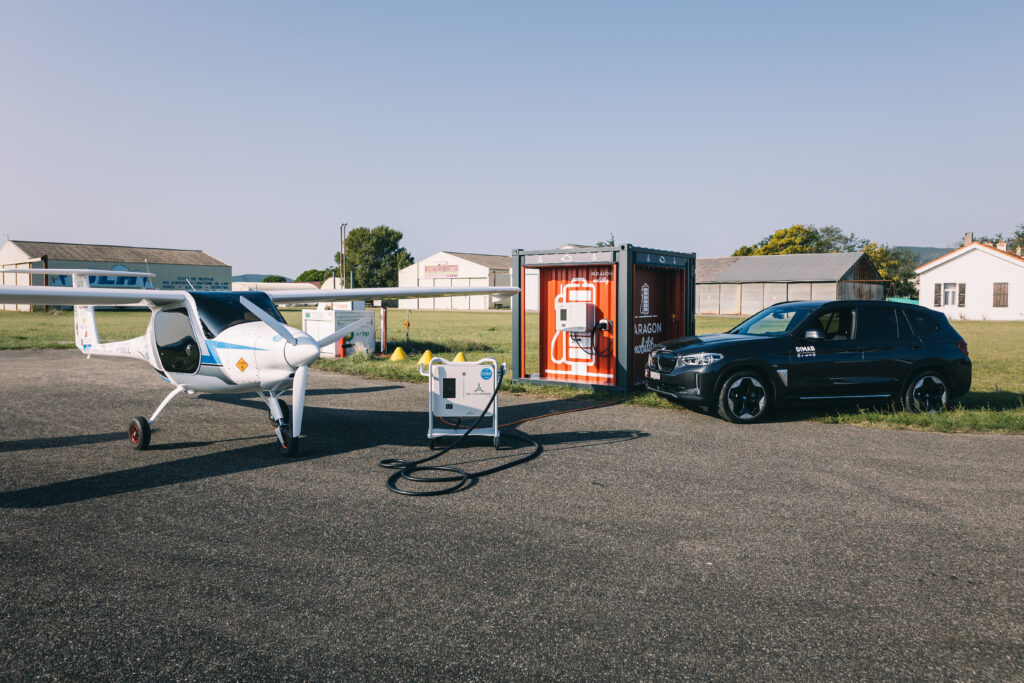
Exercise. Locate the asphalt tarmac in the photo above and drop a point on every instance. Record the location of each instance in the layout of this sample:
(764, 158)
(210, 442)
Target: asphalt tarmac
(641, 544)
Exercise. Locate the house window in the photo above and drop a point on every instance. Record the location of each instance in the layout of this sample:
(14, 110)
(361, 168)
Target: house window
(949, 294)
(1000, 294)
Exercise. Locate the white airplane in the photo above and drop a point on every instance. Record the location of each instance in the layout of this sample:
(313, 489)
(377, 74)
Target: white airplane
(214, 342)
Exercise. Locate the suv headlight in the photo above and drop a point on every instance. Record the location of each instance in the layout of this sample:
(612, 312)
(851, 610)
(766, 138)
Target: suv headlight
(698, 359)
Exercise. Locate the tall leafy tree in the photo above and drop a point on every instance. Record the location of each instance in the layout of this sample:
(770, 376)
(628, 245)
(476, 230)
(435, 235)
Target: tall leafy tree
(1012, 242)
(896, 264)
(804, 239)
(315, 275)
(375, 256)
(273, 278)
(893, 263)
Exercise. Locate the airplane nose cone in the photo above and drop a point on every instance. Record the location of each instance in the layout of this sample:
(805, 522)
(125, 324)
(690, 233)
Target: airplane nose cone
(303, 353)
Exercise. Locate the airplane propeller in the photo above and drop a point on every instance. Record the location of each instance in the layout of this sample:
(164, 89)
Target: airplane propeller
(300, 354)
(270, 321)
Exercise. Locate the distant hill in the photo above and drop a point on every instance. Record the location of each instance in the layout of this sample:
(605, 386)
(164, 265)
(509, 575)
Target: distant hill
(254, 277)
(926, 254)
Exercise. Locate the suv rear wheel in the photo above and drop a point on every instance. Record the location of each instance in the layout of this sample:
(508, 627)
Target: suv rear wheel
(926, 393)
(743, 397)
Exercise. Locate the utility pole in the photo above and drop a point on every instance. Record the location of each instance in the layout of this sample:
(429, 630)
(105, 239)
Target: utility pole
(341, 260)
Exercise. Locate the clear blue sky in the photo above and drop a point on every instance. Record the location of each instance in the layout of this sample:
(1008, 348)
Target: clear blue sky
(253, 129)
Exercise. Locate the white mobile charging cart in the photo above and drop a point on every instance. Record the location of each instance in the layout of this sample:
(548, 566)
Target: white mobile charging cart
(459, 394)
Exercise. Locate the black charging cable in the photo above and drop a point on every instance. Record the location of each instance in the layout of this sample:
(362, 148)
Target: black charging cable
(408, 469)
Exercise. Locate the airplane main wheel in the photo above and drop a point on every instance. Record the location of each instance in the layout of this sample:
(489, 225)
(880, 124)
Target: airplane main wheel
(288, 444)
(139, 433)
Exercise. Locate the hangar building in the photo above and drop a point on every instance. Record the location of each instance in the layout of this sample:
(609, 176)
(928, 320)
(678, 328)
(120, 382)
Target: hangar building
(456, 269)
(171, 268)
(743, 285)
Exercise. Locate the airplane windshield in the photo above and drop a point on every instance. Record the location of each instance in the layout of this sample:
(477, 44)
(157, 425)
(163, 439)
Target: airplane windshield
(220, 310)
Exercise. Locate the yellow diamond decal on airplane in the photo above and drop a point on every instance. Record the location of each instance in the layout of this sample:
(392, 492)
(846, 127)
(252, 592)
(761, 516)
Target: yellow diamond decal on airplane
(241, 364)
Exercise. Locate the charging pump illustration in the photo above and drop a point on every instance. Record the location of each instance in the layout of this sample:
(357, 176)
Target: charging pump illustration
(574, 344)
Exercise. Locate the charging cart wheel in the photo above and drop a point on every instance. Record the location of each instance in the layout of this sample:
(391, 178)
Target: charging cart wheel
(432, 443)
(139, 433)
(286, 412)
(497, 441)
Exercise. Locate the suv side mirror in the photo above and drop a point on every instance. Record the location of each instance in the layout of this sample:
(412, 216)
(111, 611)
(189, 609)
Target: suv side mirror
(814, 333)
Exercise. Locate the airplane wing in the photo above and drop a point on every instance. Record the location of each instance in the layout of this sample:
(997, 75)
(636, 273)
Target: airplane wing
(82, 294)
(292, 296)
(89, 296)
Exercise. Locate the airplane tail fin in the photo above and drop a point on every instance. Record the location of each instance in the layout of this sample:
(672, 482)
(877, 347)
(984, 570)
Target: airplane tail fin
(85, 318)
(86, 338)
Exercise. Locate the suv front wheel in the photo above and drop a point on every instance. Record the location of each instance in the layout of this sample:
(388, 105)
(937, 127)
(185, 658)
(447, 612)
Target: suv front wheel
(743, 397)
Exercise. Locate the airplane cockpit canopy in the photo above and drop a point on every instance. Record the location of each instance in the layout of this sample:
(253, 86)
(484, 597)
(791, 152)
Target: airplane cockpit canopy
(220, 310)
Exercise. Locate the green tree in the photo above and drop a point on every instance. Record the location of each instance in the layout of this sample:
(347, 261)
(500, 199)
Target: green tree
(609, 243)
(374, 256)
(895, 264)
(315, 275)
(833, 240)
(793, 240)
(1012, 242)
(273, 278)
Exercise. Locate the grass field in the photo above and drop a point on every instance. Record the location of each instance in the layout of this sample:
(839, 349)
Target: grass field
(995, 403)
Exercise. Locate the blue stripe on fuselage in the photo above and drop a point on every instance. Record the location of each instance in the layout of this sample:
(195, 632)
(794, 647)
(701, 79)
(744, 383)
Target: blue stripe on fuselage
(213, 345)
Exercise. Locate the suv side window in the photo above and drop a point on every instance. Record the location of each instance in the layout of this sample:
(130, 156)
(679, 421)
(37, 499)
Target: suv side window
(876, 322)
(836, 323)
(921, 323)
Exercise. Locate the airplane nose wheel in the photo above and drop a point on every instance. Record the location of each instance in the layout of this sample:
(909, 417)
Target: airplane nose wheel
(139, 433)
(285, 411)
(288, 444)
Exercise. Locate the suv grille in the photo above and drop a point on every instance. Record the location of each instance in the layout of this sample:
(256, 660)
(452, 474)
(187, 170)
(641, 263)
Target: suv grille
(666, 362)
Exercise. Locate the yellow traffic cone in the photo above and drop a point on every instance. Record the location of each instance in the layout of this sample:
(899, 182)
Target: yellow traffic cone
(460, 358)
(426, 357)
(399, 354)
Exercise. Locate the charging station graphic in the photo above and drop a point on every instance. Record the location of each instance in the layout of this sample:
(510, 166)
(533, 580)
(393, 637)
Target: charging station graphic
(580, 341)
(573, 344)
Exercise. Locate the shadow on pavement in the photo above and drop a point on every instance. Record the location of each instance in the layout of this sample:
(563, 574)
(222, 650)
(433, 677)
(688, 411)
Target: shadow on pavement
(62, 441)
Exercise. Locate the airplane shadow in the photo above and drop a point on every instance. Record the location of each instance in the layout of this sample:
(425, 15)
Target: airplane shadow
(249, 397)
(61, 441)
(361, 430)
(245, 458)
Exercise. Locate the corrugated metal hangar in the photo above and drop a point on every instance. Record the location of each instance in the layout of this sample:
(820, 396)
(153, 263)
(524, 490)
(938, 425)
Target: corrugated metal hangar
(743, 285)
(171, 268)
(456, 269)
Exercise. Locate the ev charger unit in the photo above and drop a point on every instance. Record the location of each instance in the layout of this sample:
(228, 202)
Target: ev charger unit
(461, 392)
(574, 316)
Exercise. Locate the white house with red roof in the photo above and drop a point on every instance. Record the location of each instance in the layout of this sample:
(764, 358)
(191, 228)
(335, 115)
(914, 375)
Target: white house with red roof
(978, 281)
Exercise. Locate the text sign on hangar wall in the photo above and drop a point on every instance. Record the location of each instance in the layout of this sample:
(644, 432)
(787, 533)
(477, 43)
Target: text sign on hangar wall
(442, 269)
(581, 257)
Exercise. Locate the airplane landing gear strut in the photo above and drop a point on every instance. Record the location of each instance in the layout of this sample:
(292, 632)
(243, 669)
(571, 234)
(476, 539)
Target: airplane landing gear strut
(140, 428)
(280, 415)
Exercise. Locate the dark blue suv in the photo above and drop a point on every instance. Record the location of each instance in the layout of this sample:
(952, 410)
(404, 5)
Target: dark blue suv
(810, 351)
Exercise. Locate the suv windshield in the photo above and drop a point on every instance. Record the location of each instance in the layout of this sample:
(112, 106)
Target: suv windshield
(220, 310)
(772, 322)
